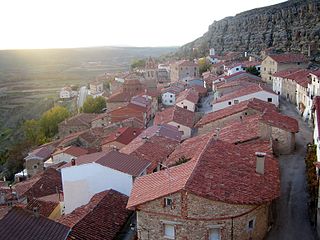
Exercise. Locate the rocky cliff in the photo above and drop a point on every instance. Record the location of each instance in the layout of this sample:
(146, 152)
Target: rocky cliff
(290, 26)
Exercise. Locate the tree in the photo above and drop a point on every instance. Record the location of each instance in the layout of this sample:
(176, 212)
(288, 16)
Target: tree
(140, 63)
(94, 105)
(253, 70)
(33, 132)
(50, 119)
(204, 65)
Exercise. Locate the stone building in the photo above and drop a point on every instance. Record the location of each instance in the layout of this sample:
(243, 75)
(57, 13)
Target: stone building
(279, 62)
(183, 70)
(222, 117)
(75, 124)
(208, 197)
(132, 86)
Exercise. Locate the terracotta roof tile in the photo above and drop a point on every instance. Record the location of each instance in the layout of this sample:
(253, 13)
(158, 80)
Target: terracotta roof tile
(289, 58)
(154, 148)
(175, 114)
(72, 150)
(243, 92)
(215, 174)
(40, 185)
(119, 161)
(22, 224)
(102, 218)
(80, 119)
(188, 94)
(45, 208)
(254, 103)
(122, 135)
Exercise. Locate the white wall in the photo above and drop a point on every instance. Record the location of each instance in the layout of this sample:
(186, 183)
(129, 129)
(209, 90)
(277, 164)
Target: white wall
(262, 95)
(234, 70)
(167, 97)
(65, 94)
(81, 183)
(186, 103)
(61, 157)
(277, 85)
(185, 130)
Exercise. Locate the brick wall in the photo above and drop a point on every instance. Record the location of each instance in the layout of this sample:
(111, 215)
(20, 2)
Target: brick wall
(194, 216)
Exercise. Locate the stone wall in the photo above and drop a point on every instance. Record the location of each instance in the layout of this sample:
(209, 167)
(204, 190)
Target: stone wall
(194, 216)
(34, 166)
(224, 121)
(283, 141)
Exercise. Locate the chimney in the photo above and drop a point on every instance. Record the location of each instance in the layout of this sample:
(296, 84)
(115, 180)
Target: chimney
(134, 133)
(73, 162)
(158, 132)
(216, 134)
(260, 156)
(36, 211)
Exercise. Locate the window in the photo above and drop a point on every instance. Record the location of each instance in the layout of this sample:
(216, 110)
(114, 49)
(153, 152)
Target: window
(214, 234)
(170, 101)
(269, 99)
(236, 101)
(251, 225)
(168, 202)
(185, 107)
(35, 166)
(237, 69)
(229, 103)
(171, 96)
(169, 231)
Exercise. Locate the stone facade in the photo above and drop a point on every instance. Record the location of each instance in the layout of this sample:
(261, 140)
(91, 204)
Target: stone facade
(182, 71)
(224, 121)
(34, 166)
(283, 142)
(289, 88)
(270, 66)
(194, 217)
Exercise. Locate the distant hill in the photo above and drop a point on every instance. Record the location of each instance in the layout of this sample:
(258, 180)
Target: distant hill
(288, 26)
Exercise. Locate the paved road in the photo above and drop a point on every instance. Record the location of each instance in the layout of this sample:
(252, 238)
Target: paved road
(293, 221)
(82, 96)
(206, 103)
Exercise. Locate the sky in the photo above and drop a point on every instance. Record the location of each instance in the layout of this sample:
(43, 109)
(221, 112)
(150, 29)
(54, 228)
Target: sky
(86, 23)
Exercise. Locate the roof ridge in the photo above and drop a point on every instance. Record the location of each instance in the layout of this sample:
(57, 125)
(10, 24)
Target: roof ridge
(210, 140)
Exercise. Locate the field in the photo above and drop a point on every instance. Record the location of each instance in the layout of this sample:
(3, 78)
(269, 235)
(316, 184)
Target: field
(30, 80)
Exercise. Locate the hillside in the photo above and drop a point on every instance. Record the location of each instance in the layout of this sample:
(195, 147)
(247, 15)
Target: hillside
(288, 26)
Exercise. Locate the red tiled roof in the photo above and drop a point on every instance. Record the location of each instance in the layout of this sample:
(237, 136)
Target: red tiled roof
(289, 58)
(154, 149)
(43, 152)
(22, 224)
(129, 111)
(188, 94)
(116, 160)
(122, 135)
(215, 174)
(175, 114)
(73, 151)
(301, 77)
(253, 103)
(102, 218)
(242, 92)
(80, 119)
(239, 75)
(40, 185)
(199, 89)
(284, 73)
(281, 121)
(186, 63)
(45, 208)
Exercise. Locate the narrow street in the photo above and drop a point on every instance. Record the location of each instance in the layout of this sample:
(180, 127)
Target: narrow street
(292, 209)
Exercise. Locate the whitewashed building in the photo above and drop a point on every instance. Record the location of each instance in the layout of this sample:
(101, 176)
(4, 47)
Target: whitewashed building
(93, 173)
(243, 94)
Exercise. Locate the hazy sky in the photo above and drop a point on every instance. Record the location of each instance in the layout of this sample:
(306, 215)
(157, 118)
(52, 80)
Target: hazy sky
(80, 23)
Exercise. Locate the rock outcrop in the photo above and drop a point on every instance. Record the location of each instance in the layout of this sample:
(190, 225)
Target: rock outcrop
(290, 26)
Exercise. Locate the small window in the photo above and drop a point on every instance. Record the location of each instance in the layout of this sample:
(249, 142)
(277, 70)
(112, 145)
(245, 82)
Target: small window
(171, 96)
(169, 231)
(185, 107)
(251, 225)
(246, 113)
(35, 166)
(178, 126)
(214, 234)
(229, 103)
(236, 101)
(237, 69)
(170, 101)
(269, 99)
(168, 202)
